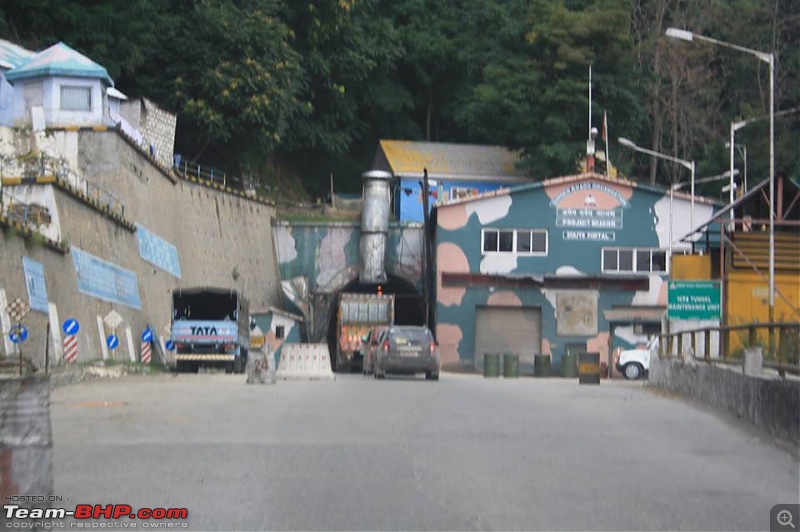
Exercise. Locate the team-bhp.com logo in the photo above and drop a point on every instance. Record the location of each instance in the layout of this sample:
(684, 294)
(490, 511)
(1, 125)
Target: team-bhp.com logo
(88, 516)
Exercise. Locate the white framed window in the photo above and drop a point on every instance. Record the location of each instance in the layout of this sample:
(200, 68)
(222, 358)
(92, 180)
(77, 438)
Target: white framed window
(74, 98)
(518, 241)
(634, 260)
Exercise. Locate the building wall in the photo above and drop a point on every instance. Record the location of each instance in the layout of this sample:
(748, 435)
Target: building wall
(268, 323)
(317, 260)
(221, 239)
(408, 194)
(156, 125)
(580, 219)
(46, 93)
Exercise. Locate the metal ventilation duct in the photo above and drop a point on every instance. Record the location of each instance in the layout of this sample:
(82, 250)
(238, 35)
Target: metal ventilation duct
(374, 227)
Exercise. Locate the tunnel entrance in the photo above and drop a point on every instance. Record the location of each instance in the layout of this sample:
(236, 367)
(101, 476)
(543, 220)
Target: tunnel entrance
(409, 308)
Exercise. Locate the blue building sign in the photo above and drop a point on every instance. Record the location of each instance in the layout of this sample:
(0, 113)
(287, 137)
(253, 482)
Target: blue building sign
(158, 251)
(34, 280)
(106, 281)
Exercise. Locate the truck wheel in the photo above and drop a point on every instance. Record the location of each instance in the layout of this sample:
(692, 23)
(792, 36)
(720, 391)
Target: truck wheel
(237, 365)
(633, 371)
(229, 367)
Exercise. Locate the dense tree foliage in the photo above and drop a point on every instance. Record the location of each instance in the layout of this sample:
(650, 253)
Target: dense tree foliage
(306, 89)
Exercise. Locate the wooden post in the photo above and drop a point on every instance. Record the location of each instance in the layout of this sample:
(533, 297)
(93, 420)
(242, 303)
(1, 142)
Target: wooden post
(707, 343)
(680, 344)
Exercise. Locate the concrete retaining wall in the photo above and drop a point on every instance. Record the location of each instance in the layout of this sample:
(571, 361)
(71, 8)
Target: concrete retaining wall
(222, 239)
(768, 401)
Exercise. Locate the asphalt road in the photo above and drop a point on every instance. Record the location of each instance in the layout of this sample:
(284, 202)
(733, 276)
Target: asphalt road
(464, 453)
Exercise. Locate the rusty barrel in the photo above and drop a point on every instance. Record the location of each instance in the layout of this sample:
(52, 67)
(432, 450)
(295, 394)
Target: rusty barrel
(26, 442)
(589, 368)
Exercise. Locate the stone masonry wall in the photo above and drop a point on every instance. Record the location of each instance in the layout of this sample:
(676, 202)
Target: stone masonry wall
(222, 240)
(157, 127)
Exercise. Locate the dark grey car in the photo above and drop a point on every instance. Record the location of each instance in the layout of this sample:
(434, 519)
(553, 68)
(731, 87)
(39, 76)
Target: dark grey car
(408, 350)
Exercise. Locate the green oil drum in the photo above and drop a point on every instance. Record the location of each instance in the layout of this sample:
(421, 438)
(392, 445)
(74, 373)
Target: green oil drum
(569, 365)
(510, 365)
(491, 365)
(541, 366)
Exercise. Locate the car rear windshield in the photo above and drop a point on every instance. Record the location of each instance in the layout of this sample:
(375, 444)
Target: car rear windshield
(410, 336)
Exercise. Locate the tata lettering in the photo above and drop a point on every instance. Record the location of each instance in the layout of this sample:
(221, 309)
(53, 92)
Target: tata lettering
(207, 331)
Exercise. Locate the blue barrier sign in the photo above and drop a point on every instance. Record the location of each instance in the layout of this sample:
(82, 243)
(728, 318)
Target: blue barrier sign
(147, 335)
(112, 341)
(169, 345)
(18, 334)
(70, 327)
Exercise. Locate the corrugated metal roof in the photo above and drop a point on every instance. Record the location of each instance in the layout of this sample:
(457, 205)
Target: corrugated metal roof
(443, 160)
(59, 60)
(13, 55)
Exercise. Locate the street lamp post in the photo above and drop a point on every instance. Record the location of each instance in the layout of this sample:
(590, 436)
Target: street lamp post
(678, 186)
(687, 164)
(685, 35)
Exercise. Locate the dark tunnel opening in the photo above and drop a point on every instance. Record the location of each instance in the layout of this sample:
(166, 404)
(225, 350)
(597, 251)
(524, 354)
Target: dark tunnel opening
(409, 306)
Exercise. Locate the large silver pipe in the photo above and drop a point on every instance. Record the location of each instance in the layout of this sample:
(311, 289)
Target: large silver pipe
(374, 227)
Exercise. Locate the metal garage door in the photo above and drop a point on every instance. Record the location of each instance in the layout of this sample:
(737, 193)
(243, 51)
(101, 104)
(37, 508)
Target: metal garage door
(516, 330)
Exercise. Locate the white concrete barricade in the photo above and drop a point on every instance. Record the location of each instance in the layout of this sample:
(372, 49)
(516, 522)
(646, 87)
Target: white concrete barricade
(261, 367)
(305, 361)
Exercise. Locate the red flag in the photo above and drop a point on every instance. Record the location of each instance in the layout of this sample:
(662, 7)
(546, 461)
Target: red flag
(604, 133)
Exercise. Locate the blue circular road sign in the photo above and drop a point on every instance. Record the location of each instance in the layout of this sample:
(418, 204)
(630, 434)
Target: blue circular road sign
(169, 345)
(18, 334)
(112, 341)
(147, 335)
(70, 327)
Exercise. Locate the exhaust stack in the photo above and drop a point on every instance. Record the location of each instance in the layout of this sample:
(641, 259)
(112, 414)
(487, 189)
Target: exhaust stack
(374, 227)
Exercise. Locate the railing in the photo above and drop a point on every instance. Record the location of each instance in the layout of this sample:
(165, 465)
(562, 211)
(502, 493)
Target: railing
(190, 169)
(45, 167)
(726, 343)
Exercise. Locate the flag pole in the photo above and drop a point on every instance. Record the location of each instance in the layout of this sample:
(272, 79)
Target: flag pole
(605, 133)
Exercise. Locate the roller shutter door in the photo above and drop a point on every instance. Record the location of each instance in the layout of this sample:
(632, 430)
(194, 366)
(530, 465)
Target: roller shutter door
(516, 330)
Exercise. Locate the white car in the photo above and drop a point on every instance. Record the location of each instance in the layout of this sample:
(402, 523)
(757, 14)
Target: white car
(635, 363)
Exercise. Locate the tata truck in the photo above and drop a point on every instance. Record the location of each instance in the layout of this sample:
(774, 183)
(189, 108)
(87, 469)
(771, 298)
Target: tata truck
(357, 314)
(210, 328)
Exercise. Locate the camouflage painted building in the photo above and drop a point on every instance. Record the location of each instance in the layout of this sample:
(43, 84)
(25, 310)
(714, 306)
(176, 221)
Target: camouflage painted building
(577, 263)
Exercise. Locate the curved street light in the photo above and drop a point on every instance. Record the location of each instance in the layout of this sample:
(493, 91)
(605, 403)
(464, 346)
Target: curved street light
(687, 164)
(689, 36)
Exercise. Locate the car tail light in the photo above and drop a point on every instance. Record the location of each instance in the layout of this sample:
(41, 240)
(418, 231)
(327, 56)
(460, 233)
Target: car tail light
(386, 346)
(433, 347)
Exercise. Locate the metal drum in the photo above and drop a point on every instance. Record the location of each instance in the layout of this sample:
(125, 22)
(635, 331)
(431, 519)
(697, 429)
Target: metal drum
(569, 365)
(510, 365)
(589, 368)
(541, 366)
(491, 365)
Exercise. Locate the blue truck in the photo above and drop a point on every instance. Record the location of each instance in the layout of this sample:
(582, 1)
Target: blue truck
(210, 328)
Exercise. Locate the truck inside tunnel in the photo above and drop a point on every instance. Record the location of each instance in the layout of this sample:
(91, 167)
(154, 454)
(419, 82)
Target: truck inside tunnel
(409, 309)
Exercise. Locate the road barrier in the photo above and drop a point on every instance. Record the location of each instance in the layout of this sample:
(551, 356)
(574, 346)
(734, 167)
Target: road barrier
(305, 361)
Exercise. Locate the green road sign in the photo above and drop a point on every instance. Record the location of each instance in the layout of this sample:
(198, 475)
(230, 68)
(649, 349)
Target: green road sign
(693, 300)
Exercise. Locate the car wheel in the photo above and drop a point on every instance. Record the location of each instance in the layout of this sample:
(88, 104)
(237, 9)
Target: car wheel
(432, 376)
(633, 371)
